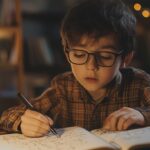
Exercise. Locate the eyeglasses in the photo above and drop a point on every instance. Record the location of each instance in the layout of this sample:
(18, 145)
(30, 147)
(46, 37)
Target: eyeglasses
(102, 58)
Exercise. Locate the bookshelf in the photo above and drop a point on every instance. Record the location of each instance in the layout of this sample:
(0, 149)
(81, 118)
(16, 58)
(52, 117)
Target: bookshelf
(43, 52)
(11, 52)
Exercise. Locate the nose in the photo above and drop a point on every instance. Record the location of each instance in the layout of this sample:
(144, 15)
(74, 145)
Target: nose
(91, 63)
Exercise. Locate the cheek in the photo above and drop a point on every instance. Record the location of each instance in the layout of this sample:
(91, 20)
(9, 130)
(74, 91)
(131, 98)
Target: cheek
(77, 71)
(107, 74)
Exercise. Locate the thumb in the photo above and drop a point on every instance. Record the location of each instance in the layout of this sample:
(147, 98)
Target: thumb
(106, 125)
(51, 122)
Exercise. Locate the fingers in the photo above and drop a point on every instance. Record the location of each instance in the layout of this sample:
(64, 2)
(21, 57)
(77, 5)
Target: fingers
(122, 119)
(113, 121)
(50, 121)
(33, 131)
(34, 124)
(121, 122)
(130, 121)
(35, 115)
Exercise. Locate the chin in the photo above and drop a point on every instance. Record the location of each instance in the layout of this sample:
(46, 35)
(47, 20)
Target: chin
(92, 89)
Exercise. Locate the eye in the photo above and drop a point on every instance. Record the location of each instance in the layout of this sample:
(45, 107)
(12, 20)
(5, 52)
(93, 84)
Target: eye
(107, 56)
(79, 54)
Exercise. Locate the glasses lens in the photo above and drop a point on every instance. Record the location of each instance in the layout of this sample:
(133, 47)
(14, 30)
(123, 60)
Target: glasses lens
(105, 59)
(78, 56)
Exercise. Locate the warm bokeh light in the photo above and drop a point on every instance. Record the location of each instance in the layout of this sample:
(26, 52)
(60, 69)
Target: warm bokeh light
(137, 6)
(146, 13)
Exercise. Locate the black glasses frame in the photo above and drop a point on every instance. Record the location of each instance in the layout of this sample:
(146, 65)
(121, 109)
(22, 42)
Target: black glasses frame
(67, 50)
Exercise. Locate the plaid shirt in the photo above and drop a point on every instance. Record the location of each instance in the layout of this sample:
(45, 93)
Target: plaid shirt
(69, 104)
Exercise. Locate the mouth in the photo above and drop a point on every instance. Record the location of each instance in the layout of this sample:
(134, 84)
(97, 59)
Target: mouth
(91, 79)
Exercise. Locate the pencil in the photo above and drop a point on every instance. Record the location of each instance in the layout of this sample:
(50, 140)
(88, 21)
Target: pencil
(30, 106)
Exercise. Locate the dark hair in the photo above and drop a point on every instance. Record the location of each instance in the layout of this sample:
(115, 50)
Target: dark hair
(97, 18)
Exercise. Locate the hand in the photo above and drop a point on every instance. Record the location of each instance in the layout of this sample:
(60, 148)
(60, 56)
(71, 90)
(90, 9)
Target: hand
(34, 124)
(123, 118)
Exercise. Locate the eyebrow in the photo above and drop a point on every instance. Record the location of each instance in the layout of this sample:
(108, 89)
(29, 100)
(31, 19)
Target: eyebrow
(109, 47)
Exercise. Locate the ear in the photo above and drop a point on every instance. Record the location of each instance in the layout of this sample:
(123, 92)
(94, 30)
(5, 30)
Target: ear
(127, 59)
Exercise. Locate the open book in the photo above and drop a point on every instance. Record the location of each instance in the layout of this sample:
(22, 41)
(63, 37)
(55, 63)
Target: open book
(76, 138)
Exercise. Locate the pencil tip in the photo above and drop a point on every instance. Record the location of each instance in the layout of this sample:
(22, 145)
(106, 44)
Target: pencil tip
(58, 136)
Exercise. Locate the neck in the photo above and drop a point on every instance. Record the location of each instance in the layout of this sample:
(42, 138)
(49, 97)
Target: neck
(99, 94)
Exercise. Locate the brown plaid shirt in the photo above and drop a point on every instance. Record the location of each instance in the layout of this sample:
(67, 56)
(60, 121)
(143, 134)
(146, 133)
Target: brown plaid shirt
(69, 104)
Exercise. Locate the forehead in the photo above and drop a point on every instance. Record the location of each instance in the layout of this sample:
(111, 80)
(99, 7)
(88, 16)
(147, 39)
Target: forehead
(88, 42)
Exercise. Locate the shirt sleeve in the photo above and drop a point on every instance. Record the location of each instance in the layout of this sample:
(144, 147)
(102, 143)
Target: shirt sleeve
(145, 106)
(11, 118)
(145, 98)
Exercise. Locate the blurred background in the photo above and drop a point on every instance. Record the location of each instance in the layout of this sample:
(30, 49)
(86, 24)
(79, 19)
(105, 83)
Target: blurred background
(31, 53)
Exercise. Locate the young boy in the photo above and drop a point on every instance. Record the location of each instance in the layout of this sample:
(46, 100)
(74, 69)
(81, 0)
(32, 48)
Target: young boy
(98, 38)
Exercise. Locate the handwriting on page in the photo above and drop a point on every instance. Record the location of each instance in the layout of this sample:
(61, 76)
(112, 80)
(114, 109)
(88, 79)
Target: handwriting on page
(114, 136)
(70, 139)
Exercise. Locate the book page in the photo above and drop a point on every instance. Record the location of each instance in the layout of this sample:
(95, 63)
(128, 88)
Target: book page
(126, 139)
(72, 138)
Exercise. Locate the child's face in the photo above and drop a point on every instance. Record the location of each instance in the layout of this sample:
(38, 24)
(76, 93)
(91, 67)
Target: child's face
(90, 74)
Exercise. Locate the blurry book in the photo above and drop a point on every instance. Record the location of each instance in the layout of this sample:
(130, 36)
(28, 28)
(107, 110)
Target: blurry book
(40, 52)
(8, 84)
(7, 13)
(46, 51)
(5, 49)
